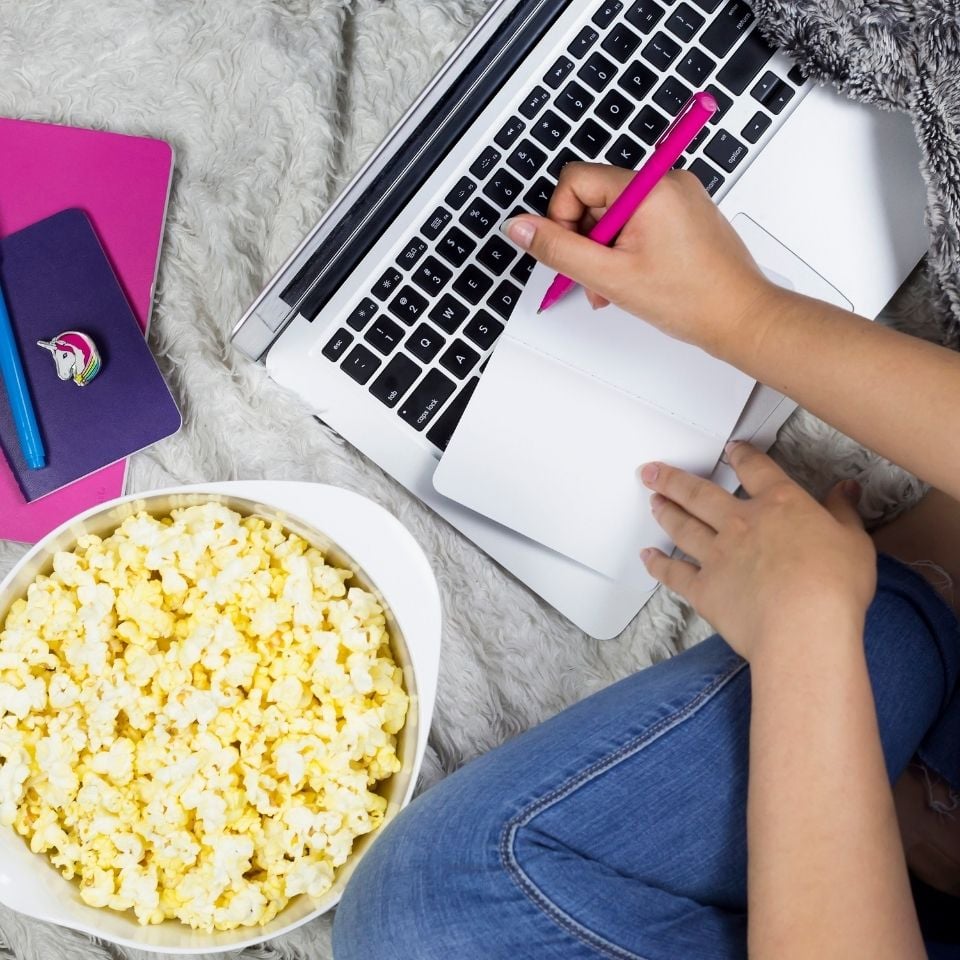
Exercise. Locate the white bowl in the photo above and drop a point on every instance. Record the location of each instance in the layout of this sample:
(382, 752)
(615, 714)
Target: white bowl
(384, 556)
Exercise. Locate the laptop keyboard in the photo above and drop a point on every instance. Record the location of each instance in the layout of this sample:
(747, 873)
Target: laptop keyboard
(419, 337)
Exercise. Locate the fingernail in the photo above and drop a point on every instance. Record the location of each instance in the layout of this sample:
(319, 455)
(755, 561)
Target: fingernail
(649, 473)
(730, 447)
(851, 490)
(645, 554)
(656, 502)
(519, 231)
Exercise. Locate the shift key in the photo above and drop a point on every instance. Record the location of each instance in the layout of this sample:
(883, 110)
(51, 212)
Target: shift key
(421, 406)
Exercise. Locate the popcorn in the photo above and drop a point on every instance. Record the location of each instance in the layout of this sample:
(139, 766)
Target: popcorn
(195, 713)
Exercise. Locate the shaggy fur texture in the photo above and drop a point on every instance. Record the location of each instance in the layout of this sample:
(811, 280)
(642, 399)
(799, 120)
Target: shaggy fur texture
(271, 104)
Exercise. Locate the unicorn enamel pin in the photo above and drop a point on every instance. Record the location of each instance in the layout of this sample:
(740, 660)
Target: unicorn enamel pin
(75, 355)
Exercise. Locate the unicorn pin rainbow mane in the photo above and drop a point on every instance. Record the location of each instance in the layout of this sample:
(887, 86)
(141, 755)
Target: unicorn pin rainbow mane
(75, 355)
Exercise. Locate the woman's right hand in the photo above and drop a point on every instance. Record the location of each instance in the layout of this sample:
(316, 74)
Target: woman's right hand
(678, 263)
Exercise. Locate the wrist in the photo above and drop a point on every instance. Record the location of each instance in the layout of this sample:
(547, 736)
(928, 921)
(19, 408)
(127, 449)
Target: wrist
(756, 315)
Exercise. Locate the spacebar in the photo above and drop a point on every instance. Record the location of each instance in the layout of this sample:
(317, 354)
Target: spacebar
(745, 64)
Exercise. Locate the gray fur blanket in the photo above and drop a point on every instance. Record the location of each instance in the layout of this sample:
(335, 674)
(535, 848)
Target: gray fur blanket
(271, 105)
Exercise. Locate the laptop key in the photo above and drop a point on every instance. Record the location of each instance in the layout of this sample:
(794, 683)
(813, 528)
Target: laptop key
(591, 138)
(582, 42)
(441, 432)
(538, 196)
(337, 345)
(711, 180)
(565, 156)
(362, 314)
(780, 97)
(427, 398)
(438, 220)
(649, 124)
(460, 194)
(527, 159)
(411, 253)
(684, 22)
(607, 13)
(384, 335)
(503, 188)
(431, 275)
(449, 313)
(626, 153)
(558, 72)
(534, 103)
(521, 272)
(708, 6)
(496, 255)
(455, 247)
(472, 284)
(738, 72)
(479, 218)
(620, 42)
(459, 359)
(397, 378)
(574, 101)
(637, 80)
(504, 299)
(361, 364)
(756, 127)
(672, 95)
(424, 343)
(764, 86)
(550, 130)
(645, 15)
(387, 283)
(661, 51)
(724, 103)
(725, 150)
(679, 163)
(509, 132)
(696, 66)
(797, 76)
(697, 141)
(485, 162)
(597, 72)
(730, 25)
(483, 330)
(407, 305)
(614, 109)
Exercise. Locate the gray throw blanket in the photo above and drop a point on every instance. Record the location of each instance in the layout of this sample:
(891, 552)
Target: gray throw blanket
(900, 56)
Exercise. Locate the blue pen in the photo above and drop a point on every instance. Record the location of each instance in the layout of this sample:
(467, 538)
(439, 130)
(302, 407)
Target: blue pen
(24, 417)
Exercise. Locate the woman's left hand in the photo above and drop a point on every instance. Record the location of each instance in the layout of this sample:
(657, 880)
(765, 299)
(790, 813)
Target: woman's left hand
(778, 557)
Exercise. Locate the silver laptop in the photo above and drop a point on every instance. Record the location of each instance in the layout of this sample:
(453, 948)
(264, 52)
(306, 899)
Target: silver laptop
(382, 320)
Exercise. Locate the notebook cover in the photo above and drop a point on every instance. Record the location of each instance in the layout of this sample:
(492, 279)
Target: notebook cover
(122, 183)
(55, 278)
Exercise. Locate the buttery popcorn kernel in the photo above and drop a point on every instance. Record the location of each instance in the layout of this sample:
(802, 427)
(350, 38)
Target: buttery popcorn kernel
(195, 713)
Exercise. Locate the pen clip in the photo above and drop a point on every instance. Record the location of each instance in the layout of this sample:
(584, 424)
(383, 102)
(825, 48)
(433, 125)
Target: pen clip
(684, 110)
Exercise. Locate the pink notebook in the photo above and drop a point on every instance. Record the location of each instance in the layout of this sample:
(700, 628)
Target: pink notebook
(122, 183)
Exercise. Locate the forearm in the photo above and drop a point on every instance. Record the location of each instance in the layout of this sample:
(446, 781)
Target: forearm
(827, 876)
(883, 388)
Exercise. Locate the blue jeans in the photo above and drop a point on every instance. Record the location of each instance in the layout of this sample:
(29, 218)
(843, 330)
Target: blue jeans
(617, 829)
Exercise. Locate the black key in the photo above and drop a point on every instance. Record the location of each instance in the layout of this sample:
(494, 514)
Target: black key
(565, 156)
(684, 22)
(337, 344)
(711, 180)
(661, 50)
(645, 15)
(504, 299)
(550, 130)
(496, 255)
(455, 247)
(797, 76)
(424, 343)
(582, 42)
(738, 72)
(607, 13)
(527, 159)
(637, 80)
(725, 150)
(672, 95)
(421, 406)
(574, 100)
(696, 66)
(384, 334)
(764, 86)
(387, 284)
(626, 153)
(407, 305)
(597, 72)
(620, 42)
(780, 97)
(536, 98)
(411, 253)
(679, 163)
(438, 220)
(521, 272)
(485, 162)
(590, 139)
(649, 124)
(441, 432)
(459, 359)
(459, 195)
(397, 378)
(431, 275)
(361, 364)
(697, 141)
(480, 218)
(362, 314)
(503, 188)
(724, 103)
(483, 330)
(753, 131)
(538, 196)
(472, 284)
(729, 26)
(614, 109)
(708, 6)
(558, 72)
(509, 132)
(449, 313)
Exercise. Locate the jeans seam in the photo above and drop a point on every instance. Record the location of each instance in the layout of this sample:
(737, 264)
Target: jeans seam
(510, 829)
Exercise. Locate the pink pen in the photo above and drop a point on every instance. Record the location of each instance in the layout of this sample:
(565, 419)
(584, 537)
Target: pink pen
(676, 138)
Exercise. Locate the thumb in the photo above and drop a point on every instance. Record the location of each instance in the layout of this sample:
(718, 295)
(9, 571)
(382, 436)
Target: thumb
(841, 502)
(589, 263)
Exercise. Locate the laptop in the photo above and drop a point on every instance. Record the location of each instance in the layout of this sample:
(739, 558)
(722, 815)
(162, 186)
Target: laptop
(383, 320)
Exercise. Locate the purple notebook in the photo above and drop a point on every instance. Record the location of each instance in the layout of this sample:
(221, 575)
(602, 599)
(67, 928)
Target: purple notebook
(56, 278)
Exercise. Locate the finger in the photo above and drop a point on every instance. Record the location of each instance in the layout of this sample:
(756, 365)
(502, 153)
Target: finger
(595, 300)
(757, 472)
(677, 575)
(691, 535)
(583, 186)
(700, 498)
(842, 502)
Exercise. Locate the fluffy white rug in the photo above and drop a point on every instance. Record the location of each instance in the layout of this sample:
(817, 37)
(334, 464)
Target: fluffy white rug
(271, 104)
